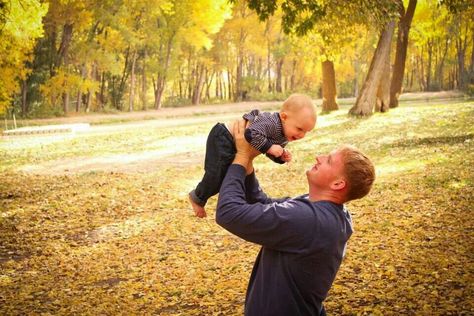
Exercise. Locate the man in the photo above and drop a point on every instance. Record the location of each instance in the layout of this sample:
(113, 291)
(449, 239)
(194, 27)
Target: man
(303, 239)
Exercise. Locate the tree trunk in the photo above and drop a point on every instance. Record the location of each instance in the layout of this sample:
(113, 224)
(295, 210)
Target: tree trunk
(421, 67)
(401, 52)
(269, 77)
(66, 102)
(367, 98)
(143, 82)
(132, 82)
(439, 73)
(428, 66)
(162, 76)
(24, 104)
(229, 85)
(278, 86)
(383, 92)
(238, 79)
(461, 56)
(102, 91)
(293, 75)
(208, 82)
(79, 93)
(329, 87)
(199, 84)
(78, 101)
(64, 46)
(89, 101)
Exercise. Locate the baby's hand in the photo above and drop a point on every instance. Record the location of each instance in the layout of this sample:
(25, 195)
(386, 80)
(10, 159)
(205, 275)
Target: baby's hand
(275, 151)
(286, 157)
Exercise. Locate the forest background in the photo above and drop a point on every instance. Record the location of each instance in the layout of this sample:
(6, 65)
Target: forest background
(97, 221)
(63, 56)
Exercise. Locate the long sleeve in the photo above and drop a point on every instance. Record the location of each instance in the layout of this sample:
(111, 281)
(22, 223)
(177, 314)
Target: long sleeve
(283, 225)
(254, 193)
(302, 242)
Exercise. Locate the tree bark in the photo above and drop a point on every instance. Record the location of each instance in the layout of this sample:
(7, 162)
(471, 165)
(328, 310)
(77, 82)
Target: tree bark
(79, 93)
(132, 82)
(24, 91)
(143, 82)
(383, 92)
(428, 66)
(199, 84)
(293, 75)
(229, 85)
(401, 51)
(367, 98)
(162, 75)
(439, 73)
(279, 72)
(238, 78)
(329, 87)
(66, 102)
(461, 45)
(101, 95)
(65, 42)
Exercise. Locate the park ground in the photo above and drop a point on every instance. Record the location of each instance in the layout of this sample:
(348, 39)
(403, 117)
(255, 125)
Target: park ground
(98, 222)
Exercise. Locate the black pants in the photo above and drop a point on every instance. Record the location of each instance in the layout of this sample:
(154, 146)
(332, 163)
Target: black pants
(220, 152)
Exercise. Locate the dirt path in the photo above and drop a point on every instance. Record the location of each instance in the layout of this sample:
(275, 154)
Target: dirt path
(190, 153)
(188, 111)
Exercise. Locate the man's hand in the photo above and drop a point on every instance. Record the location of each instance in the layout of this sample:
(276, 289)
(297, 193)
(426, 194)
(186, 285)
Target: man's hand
(245, 152)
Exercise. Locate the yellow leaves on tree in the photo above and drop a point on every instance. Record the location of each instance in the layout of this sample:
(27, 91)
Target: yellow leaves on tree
(21, 27)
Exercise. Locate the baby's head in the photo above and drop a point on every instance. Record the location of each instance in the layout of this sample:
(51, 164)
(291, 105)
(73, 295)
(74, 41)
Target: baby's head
(297, 116)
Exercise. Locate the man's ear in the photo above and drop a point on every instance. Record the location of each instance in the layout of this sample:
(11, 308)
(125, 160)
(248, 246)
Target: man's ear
(338, 184)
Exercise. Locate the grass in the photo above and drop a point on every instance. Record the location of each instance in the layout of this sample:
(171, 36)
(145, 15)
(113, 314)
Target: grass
(125, 242)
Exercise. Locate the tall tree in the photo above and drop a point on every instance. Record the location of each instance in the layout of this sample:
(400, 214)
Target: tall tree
(299, 17)
(20, 27)
(404, 24)
(366, 101)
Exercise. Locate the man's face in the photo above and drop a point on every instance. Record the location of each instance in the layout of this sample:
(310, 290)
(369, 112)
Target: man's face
(326, 170)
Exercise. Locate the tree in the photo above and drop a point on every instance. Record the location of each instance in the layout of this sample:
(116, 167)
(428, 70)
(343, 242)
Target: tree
(404, 24)
(300, 17)
(181, 21)
(20, 27)
(367, 98)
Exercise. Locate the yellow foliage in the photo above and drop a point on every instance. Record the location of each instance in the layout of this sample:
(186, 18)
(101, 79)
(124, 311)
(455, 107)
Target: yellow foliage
(124, 241)
(17, 38)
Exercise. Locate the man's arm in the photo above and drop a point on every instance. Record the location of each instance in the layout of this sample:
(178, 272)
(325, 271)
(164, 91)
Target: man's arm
(254, 193)
(282, 226)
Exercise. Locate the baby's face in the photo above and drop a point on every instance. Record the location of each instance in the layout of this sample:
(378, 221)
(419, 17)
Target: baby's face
(296, 125)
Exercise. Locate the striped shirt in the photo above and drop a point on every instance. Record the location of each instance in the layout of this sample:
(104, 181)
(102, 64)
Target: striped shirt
(265, 129)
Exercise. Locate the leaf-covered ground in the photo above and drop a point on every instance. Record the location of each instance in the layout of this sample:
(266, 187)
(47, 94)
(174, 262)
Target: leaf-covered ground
(125, 242)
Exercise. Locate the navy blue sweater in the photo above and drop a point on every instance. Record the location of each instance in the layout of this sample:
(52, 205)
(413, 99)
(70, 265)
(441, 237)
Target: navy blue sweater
(303, 243)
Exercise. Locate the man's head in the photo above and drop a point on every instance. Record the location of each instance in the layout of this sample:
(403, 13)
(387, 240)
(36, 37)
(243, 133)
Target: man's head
(297, 116)
(343, 175)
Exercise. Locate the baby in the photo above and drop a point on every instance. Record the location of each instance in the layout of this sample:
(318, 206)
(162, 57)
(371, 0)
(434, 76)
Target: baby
(268, 132)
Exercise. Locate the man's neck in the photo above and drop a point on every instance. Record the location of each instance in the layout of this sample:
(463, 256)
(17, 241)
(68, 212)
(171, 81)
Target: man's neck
(325, 196)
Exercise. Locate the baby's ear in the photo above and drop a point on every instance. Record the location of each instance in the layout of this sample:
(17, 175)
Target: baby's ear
(283, 115)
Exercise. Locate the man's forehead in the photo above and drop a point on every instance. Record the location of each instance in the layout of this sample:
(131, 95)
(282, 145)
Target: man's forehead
(336, 154)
